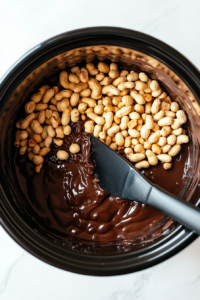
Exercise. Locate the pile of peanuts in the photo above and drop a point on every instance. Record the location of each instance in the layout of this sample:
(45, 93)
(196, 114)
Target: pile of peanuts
(127, 111)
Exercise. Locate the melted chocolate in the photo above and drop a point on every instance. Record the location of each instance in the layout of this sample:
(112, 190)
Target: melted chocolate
(66, 198)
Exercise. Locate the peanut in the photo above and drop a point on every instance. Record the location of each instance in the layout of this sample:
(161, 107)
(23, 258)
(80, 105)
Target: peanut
(174, 150)
(74, 148)
(74, 115)
(139, 149)
(36, 127)
(67, 130)
(41, 116)
(47, 141)
(142, 164)
(113, 130)
(89, 126)
(99, 109)
(174, 107)
(63, 94)
(162, 141)
(149, 122)
(119, 139)
(182, 139)
(128, 151)
(38, 96)
(132, 76)
(73, 78)
(152, 158)
(37, 160)
(74, 100)
(171, 140)
(48, 95)
(80, 87)
(85, 93)
(166, 148)
(29, 107)
(138, 98)
(44, 151)
(102, 67)
(110, 89)
(145, 132)
(156, 149)
(165, 158)
(155, 106)
(66, 117)
(113, 146)
(106, 81)
(167, 165)
(124, 111)
(89, 101)
(55, 119)
(139, 108)
(62, 155)
(154, 137)
(166, 121)
(165, 131)
(38, 168)
(136, 157)
(108, 120)
(134, 133)
(159, 115)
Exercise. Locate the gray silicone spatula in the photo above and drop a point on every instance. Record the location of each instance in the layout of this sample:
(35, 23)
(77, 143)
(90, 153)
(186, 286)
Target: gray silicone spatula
(119, 178)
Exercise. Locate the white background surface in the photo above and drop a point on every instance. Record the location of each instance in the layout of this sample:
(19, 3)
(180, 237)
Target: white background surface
(23, 24)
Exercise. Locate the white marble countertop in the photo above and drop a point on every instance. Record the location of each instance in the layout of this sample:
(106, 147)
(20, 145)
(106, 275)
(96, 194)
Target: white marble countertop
(23, 25)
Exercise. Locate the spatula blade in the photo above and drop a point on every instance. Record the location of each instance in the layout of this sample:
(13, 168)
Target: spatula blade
(116, 175)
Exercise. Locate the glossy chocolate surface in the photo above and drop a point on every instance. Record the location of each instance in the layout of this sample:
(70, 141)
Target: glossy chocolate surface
(65, 196)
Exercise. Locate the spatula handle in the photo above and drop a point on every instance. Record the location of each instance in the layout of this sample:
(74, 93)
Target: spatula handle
(179, 210)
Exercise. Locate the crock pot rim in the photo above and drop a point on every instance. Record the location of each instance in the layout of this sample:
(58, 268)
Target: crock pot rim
(10, 77)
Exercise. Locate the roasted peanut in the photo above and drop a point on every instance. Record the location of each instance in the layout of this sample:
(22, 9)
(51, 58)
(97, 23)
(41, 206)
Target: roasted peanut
(48, 141)
(156, 149)
(62, 155)
(164, 157)
(139, 148)
(38, 96)
(174, 150)
(67, 130)
(36, 149)
(134, 133)
(73, 78)
(36, 127)
(155, 106)
(110, 89)
(99, 109)
(167, 165)
(44, 151)
(29, 107)
(171, 140)
(113, 130)
(174, 107)
(63, 94)
(142, 164)
(63, 78)
(182, 139)
(139, 108)
(85, 93)
(74, 148)
(124, 111)
(89, 101)
(137, 97)
(136, 157)
(119, 139)
(74, 100)
(37, 160)
(145, 132)
(48, 95)
(152, 158)
(89, 126)
(162, 141)
(74, 115)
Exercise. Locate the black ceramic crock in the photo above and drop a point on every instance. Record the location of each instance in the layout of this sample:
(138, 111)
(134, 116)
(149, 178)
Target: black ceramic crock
(20, 228)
